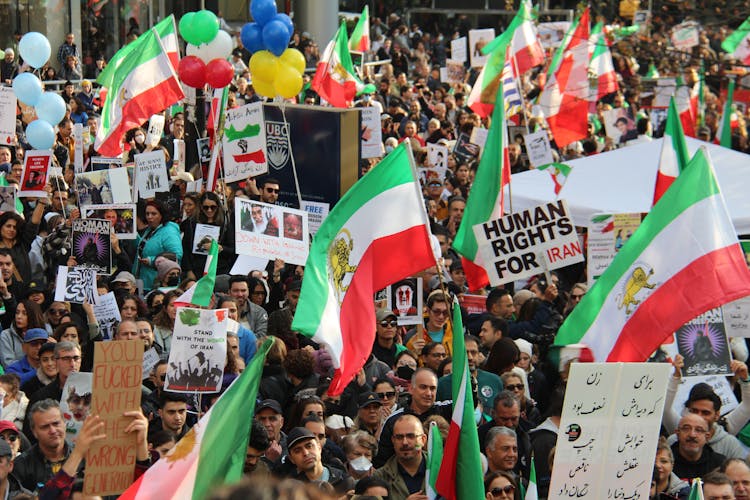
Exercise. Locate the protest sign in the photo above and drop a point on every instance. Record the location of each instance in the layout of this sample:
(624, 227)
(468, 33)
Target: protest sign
(718, 383)
(76, 284)
(244, 143)
(271, 231)
(151, 173)
(477, 40)
(120, 217)
(316, 212)
(703, 343)
(78, 147)
(92, 247)
(458, 49)
(737, 317)
(474, 304)
(244, 264)
(464, 149)
(479, 137)
(107, 312)
(371, 133)
(455, 71)
(437, 157)
(685, 36)
(664, 89)
(405, 300)
(104, 163)
(552, 34)
(609, 430)
(538, 148)
(204, 150)
(619, 125)
(8, 198)
(104, 187)
(155, 130)
(34, 178)
(178, 162)
(75, 404)
(150, 360)
(116, 389)
(7, 116)
(607, 233)
(524, 243)
(199, 351)
(204, 235)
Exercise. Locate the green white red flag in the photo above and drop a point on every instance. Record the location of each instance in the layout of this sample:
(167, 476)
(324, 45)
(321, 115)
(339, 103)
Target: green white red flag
(601, 67)
(434, 459)
(144, 83)
(460, 473)
(200, 293)
(335, 79)
(728, 119)
(208, 455)
(360, 39)
(738, 43)
(674, 153)
(683, 260)
(559, 173)
(376, 235)
(686, 100)
(532, 493)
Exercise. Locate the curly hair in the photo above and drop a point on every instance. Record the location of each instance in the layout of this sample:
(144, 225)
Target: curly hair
(300, 363)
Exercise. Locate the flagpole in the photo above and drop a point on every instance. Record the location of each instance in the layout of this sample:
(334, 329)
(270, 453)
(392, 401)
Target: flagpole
(282, 106)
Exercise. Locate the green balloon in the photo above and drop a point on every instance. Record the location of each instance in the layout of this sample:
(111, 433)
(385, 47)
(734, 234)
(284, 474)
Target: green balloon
(187, 31)
(206, 26)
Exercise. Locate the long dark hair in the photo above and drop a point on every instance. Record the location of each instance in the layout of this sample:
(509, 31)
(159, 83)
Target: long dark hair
(7, 216)
(220, 216)
(33, 313)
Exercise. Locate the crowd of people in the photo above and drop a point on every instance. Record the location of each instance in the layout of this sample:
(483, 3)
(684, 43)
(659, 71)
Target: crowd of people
(370, 440)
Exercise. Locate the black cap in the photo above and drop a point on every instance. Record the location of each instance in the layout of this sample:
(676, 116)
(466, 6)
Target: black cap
(35, 287)
(297, 435)
(703, 391)
(368, 398)
(269, 403)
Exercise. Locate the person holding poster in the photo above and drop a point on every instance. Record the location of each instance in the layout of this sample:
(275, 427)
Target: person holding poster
(210, 212)
(159, 236)
(17, 235)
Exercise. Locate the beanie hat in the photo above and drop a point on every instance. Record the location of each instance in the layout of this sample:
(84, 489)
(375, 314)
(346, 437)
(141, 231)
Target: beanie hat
(163, 266)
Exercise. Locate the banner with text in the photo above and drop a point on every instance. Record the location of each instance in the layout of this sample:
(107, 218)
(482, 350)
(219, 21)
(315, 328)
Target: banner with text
(271, 231)
(244, 143)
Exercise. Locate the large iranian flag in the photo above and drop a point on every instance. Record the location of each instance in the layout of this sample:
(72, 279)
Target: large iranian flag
(738, 43)
(600, 65)
(213, 451)
(335, 79)
(360, 39)
(376, 235)
(144, 83)
(674, 153)
(683, 260)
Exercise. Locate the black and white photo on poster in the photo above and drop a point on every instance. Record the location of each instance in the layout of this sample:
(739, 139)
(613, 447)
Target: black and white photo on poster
(76, 285)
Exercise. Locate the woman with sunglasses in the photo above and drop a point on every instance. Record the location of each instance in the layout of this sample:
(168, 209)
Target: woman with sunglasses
(500, 485)
(386, 391)
(210, 212)
(159, 236)
(55, 313)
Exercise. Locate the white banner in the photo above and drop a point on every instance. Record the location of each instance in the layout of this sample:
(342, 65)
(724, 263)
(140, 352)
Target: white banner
(271, 231)
(371, 134)
(7, 116)
(151, 174)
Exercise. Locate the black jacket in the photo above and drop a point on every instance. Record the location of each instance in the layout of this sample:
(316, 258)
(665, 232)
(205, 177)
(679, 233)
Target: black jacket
(32, 469)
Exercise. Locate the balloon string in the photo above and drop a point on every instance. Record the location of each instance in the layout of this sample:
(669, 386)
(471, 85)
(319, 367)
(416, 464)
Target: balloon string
(291, 153)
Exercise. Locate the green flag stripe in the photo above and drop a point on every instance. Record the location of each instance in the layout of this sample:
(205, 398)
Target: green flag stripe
(732, 41)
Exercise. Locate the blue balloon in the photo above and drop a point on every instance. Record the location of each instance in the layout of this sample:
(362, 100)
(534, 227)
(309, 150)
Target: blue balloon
(275, 37)
(287, 22)
(34, 49)
(51, 108)
(262, 11)
(252, 37)
(40, 134)
(28, 88)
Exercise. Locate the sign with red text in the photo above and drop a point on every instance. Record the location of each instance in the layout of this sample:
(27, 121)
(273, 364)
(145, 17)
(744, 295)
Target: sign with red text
(271, 231)
(34, 179)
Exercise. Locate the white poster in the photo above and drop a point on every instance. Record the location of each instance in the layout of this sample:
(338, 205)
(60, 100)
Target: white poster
(437, 156)
(108, 314)
(178, 162)
(527, 242)
(371, 134)
(405, 300)
(477, 40)
(7, 116)
(76, 285)
(551, 34)
(685, 36)
(479, 137)
(155, 130)
(538, 148)
(718, 383)
(78, 147)
(458, 49)
(151, 173)
(244, 264)
(103, 187)
(199, 351)
(150, 360)
(244, 143)
(316, 212)
(271, 231)
(737, 317)
(75, 403)
(204, 235)
(608, 431)
(607, 233)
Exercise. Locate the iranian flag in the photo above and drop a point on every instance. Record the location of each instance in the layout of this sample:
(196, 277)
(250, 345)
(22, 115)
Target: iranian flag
(686, 101)
(564, 99)
(376, 235)
(144, 83)
(207, 456)
(674, 153)
(434, 459)
(728, 119)
(532, 493)
(335, 79)
(600, 66)
(559, 173)
(738, 43)
(683, 260)
(460, 475)
(200, 293)
(485, 198)
(696, 490)
(360, 39)
(526, 49)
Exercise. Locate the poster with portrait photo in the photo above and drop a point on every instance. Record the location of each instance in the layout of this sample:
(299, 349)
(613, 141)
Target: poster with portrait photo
(76, 285)
(405, 300)
(75, 403)
(204, 235)
(619, 125)
(703, 343)
(464, 149)
(477, 40)
(120, 216)
(105, 163)
(8, 199)
(271, 231)
(203, 149)
(437, 156)
(92, 246)
(455, 71)
(34, 178)
(103, 187)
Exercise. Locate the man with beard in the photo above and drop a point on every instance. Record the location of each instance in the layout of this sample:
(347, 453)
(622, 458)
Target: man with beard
(693, 457)
(405, 469)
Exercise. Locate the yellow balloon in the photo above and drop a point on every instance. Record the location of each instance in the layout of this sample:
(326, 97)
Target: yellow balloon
(264, 88)
(293, 58)
(288, 82)
(263, 66)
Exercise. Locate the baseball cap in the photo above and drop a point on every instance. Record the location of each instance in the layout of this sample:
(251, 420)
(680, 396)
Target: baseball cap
(124, 277)
(367, 399)
(297, 435)
(33, 334)
(7, 425)
(35, 287)
(382, 314)
(269, 403)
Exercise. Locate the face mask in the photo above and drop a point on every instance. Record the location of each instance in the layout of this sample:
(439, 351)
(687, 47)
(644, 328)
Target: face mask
(360, 464)
(405, 372)
(140, 139)
(366, 97)
(173, 281)
(388, 149)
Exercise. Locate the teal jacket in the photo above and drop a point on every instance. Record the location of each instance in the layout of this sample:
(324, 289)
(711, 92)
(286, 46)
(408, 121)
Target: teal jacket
(165, 238)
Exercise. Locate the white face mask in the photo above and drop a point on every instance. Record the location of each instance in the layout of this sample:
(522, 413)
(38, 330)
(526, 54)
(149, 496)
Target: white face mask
(361, 464)
(140, 139)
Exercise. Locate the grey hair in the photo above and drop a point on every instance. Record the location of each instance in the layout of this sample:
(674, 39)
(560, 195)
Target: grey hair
(496, 432)
(42, 406)
(66, 346)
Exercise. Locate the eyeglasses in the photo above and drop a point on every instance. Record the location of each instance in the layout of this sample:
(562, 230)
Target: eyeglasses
(514, 387)
(386, 395)
(392, 323)
(10, 437)
(439, 312)
(507, 489)
(410, 436)
(210, 207)
(271, 190)
(68, 359)
(57, 311)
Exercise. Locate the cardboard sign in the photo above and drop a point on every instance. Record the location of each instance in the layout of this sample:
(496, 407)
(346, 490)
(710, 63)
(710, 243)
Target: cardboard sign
(244, 143)
(371, 134)
(477, 40)
(523, 244)
(34, 178)
(271, 231)
(199, 351)
(116, 389)
(75, 404)
(607, 233)
(108, 314)
(703, 343)
(155, 130)
(92, 247)
(120, 216)
(151, 173)
(7, 116)
(316, 213)
(737, 317)
(76, 284)
(538, 148)
(458, 50)
(609, 429)
(405, 300)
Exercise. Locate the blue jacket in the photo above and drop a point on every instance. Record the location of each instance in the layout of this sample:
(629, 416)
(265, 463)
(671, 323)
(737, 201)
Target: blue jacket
(23, 369)
(248, 343)
(165, 238)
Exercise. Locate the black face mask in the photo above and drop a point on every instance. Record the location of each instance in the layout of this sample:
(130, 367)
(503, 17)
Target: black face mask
(405, 372)
(173, 281)
(332, 408)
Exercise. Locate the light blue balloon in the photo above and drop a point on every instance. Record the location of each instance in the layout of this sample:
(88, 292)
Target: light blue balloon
(51, 108)
(34, 49)
(28, 88)
(40, 134)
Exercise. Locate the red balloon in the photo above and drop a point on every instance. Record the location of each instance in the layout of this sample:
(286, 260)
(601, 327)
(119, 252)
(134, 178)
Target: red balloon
(219, 73)
(192, 71)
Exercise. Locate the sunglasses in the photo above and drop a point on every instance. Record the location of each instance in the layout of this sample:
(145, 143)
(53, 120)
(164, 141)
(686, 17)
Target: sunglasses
(386, 395)
(514, 387)
(271, 190)
(439, 312)
(507, 489)
(392, 323)
(210, 207)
